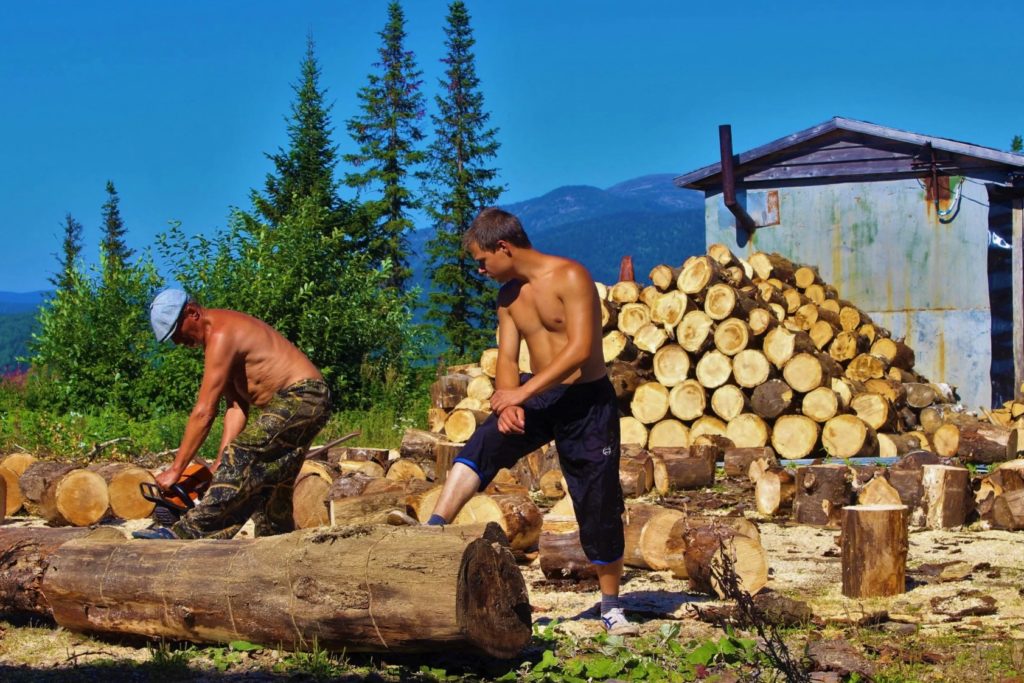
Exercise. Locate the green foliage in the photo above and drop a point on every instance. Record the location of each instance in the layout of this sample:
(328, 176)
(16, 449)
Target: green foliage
(306, 168)
(387, 135)
(167, 660)
(461, 183)
(113, 245)
(94, 347)
(1017, 144)
(71, 251)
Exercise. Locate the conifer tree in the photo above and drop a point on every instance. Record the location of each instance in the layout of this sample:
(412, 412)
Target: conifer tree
(461, 183)
(1017, 144)
(113, 246)
(387, 134)
(71, 250)
(306, 168)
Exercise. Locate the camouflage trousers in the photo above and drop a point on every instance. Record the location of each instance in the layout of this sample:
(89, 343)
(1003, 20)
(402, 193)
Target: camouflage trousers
(259, 467)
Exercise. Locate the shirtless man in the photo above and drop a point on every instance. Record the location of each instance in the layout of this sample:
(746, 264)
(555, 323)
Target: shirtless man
(551, 303)
(247, 363)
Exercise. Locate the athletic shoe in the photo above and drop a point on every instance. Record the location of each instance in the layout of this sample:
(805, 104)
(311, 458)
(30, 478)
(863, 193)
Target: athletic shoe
(616, 624)
(154, 533)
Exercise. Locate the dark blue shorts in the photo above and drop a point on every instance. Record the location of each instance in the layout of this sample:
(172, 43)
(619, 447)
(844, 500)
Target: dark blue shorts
(583, 421)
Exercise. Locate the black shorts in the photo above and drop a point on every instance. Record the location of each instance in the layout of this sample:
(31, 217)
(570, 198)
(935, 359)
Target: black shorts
(583, 421)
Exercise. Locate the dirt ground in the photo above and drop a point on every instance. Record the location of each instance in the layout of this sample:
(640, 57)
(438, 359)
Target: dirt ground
(958, 581)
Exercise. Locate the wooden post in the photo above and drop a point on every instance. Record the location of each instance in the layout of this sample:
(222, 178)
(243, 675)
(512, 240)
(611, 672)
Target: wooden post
(874, 550)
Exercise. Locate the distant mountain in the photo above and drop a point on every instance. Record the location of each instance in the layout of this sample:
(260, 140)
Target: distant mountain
(21, 302)
(647, 218)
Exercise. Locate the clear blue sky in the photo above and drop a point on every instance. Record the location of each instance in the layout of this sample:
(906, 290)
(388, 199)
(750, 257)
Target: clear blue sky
(177, 101)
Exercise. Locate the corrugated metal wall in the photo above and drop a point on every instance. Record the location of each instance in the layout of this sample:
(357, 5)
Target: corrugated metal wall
(884, 247)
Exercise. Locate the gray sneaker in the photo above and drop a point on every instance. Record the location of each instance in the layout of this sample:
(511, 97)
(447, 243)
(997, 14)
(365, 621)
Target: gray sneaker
(616, 624)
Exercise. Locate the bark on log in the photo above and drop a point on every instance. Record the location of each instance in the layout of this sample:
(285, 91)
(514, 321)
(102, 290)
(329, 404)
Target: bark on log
(1008, 511)
(448, 390)
(987, 444)
(821, 493)
(24, 558)
(704, 549)
(418, 445)
(683, 468)
(874, 546)
(636, 472)
(66, 495)
(369, 589)
(737, 460)
(561, 555)
(897, 445)
(771, 399)
(947, 496)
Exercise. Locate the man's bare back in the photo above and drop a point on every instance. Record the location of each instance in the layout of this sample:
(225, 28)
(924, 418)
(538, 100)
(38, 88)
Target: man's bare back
(259, 359)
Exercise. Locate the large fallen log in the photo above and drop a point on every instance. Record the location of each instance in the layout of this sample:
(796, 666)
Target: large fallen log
(372, 589)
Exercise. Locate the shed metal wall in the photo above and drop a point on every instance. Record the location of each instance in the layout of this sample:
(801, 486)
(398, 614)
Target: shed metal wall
(883, 246)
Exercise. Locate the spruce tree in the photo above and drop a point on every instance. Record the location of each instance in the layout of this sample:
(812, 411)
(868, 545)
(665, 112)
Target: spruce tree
(306, 168)
(387, 134)
(113, 246)
(461, 183)
(71, 250)
(1017, 144)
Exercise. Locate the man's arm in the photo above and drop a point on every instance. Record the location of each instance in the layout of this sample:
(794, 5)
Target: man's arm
(575, 289)
(236, 416)
(219, 355)
(506, 376)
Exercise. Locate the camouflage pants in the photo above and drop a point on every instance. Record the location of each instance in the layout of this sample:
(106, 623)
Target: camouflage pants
(259, 467)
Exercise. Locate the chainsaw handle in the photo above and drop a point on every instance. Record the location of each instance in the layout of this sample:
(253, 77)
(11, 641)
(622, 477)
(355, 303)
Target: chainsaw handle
(153, 494)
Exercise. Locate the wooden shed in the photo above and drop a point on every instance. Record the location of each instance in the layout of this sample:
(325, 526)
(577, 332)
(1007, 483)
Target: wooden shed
(923, 233)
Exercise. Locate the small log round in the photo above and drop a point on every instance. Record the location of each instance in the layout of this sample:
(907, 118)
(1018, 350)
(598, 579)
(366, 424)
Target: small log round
(748, 431)
(794, 436)
(771, 399)
(668, 433)
(874, 544)
(650, 402)
(632, 431)
(671, 364)
(688, 400)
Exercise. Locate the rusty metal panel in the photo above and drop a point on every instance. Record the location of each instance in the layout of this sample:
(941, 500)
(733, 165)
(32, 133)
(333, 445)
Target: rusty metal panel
(885, 248)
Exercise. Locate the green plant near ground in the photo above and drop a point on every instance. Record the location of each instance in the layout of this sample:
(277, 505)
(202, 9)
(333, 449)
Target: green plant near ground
(168, 660)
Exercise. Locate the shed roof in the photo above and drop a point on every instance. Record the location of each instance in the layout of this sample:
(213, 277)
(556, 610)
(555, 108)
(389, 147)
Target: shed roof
(848, 147)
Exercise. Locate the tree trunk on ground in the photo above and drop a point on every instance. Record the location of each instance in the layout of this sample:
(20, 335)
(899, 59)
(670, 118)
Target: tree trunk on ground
(683, 468)
(983, 443)
(874, 550)
(704, 547)
(821, 493)
(561, 555)
(774, 491)
(381, 589)
(24, 557)
(65, 495)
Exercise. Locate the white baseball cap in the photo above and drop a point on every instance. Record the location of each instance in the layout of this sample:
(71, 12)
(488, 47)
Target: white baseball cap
(165, 312)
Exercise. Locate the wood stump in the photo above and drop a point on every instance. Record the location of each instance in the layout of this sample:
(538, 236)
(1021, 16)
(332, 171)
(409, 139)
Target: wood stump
(874, 546)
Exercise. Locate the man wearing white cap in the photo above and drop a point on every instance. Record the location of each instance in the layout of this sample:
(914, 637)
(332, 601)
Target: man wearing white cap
(247, 363)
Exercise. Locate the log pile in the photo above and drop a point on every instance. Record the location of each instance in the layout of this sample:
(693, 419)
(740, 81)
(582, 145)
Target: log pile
(761, 351)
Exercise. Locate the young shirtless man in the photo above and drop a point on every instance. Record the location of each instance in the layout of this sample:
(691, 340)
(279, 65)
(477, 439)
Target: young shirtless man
(247, 363)
(551, 303)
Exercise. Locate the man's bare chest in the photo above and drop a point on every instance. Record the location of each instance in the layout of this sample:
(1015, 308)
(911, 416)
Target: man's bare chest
(534, 310)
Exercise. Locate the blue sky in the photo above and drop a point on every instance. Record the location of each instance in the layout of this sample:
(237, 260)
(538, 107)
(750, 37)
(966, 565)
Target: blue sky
(177, 102)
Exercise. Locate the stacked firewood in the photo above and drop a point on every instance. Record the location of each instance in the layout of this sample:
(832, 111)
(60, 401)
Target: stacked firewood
(66, 494)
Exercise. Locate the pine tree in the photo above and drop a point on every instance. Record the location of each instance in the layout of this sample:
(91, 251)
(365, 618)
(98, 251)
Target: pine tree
(1017, 144)
(71, 250)
(306, 168)
(113, 246)
(461, 184)
(387, 134)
